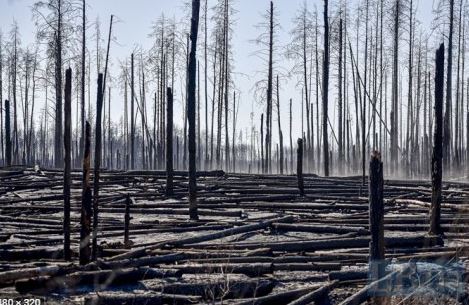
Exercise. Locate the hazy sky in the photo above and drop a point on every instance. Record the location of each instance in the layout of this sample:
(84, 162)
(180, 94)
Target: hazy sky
(135, 20)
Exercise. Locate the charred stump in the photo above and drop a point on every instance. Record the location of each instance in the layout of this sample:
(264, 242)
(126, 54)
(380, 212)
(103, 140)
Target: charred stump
(86, 201)
(299, 167)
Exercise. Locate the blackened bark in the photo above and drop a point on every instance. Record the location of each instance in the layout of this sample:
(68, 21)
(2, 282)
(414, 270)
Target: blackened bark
(67, 160)
(299, 167)
(97, 164)
(128, 201)
(448, 108)
(7, 133)
(376, 216)
(132, 114)
(169, 143)
(325, 89)
(191, 99)
(437, 156)
(85, 220)
(83, 71)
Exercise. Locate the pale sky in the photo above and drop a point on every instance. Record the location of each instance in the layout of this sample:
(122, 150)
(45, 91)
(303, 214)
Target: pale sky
(135, 20)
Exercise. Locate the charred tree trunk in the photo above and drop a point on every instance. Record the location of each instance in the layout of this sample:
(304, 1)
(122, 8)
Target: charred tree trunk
(128, 201)
(376, 217)
(97, 164)
(262, 144)
(291, 139)
(7, 133)
(280, 134)
(86, 199)
(132, 114)
(299, 167)
(191, 71)
(395, 90)
(437, 172)
(448, 106)
(169, 143)
(268, 136)
(340, 110)
(58, 153)
(67, 160)
(83, 72)
(325, 90)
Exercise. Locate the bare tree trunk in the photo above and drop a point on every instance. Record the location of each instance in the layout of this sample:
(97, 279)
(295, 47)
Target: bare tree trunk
(132, 113)
(233, 144)
(191, 71)
(97, 164)
(395, 89)
(169, 143)
(448, 112)
(262, 144)
(2, 147)
(291, 139)
(340, 110)
(280, 134)
(435, 210)
(325, 90)
(376, 217)
(83, 72)
(299, 167)
(67, 161)
(268, 136)
(58, 153)
(86, 199)
(7, 133)
(206, 84)
(199, 152)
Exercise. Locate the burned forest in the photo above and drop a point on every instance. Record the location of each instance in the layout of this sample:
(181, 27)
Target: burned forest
(278, 152)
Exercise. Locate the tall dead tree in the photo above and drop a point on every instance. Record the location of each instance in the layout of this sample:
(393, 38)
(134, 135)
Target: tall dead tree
(7, 133)
(67, 160)
(191, 100)
(97, 165)
(86, 200)
(268, 136)
(83, 73)
(448, 106)
(325, 90)
(280, 134)
(437, 155)
(395, 89)
(206, 83)
(169, 143)
(2, 143)
(340, 102)
(132, 113)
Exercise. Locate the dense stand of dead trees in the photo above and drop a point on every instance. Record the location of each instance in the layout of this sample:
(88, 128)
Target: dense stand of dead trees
(359, 107)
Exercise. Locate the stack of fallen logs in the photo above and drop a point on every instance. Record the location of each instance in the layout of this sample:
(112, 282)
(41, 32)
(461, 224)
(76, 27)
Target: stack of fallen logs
(258, 241)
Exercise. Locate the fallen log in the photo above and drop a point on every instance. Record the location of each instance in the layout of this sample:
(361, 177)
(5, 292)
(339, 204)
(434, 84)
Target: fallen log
(330, 244)
(99, 279)
(315, 295)
(366, 292)
(252, 270)
(226, 289)
(205, 237)
(140, 299)
(318, 228)
(281, 298)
